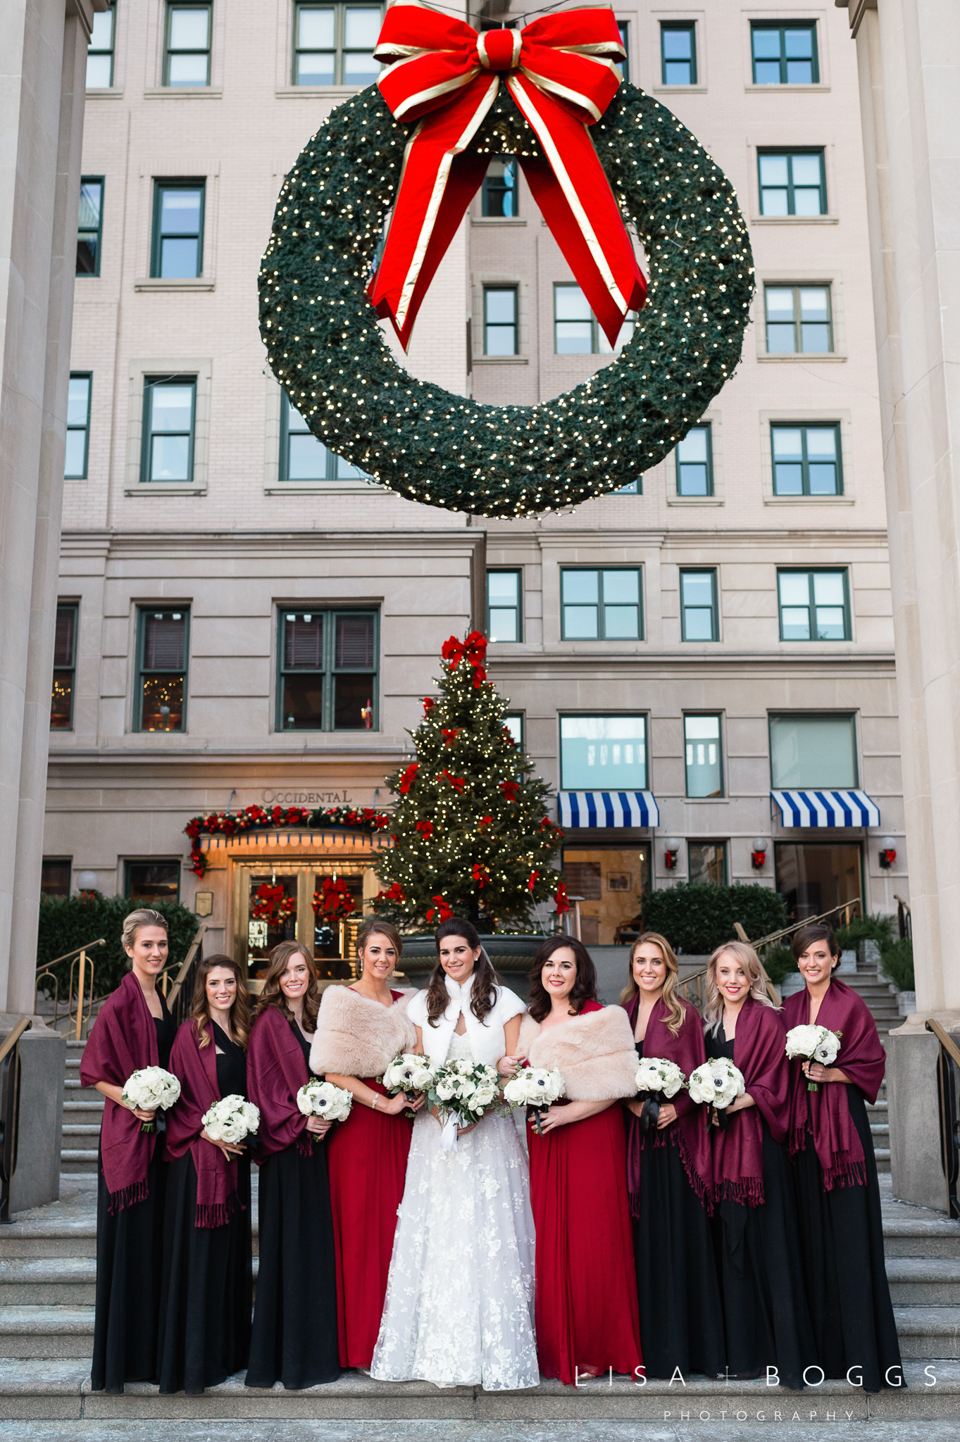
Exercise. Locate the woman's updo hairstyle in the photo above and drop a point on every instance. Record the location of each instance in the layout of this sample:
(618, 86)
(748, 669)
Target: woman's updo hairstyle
(816, 931)
(135, 921)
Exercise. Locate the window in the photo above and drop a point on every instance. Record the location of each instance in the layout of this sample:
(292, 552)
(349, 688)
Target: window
(500, 320)
(64, 669)
(707, 861)
(305, 458)
(624, 65)
(333, 44)
(798, 319)
(601, 605)
(576, 330)
(698, 606)
(187, 58)
(695, 462)
(678, 53)
(514, 724)
(169, 414)
(78, 425)
(792, 182)
(177, 229)
(806, 460)
(813, 750)
(504, 605)
(161, 670)
(603, 753)
(100, 51)
(613, 881)
(90, 225)
(813, 606)
(784, 54)
(328, 671)
(55, 876)
(816, 878)
(146, 882)
(704, 764)
(500, 187)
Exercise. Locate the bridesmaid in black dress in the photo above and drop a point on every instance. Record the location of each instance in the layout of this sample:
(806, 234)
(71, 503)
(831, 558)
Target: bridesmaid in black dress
(295, 1338)
(670, 1180)
(766, 1320)
(207, 1292)
(133, 1030)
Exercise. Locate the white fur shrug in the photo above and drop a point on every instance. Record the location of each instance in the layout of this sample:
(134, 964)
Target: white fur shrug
(594, 1053)
(358, 1037)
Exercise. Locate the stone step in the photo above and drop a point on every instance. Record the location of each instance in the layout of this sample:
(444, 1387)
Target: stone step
(924, 1281)
(878, 1129)
(928, 1331)
(82, 1129)
(41, 1332)
(53, 1282)
(71, 1107)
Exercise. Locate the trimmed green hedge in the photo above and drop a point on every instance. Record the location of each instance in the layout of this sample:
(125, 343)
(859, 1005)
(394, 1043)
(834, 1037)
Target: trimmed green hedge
(697, 918)
(70, 921)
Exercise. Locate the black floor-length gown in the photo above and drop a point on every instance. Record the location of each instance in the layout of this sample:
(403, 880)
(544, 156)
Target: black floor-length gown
(129, 1260)
(841, 1245)
(295, 1338)
(207, 1292)
(681, 1319)
(766, 1320)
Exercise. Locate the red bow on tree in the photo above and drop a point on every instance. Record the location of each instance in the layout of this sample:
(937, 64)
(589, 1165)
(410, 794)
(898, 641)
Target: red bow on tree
(562, 74)
(440, 912)
(427, 828)
(406, 780)
(510, 789)
(560, 899)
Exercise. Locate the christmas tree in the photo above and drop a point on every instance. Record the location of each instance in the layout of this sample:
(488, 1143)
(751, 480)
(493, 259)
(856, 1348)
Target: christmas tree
(470, 829)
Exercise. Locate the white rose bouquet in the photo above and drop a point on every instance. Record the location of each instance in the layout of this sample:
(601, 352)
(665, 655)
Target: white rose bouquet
(716, 1083)
(657, 1081)
(813, 1043)
(231, 1120)
(151, 1089)
(462, 1093)
(535, 1088)
(409, 1072)
(319, 1098)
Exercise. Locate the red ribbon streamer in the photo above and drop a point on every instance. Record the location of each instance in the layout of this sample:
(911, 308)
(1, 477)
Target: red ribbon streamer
(561, 72)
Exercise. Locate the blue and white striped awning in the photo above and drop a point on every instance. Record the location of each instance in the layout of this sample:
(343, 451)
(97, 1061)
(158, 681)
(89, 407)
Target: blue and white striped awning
(607, 808)
(826, 808)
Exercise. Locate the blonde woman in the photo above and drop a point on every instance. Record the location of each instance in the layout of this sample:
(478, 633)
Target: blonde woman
(133, 1030)
(764, 1306)
(670, 1179)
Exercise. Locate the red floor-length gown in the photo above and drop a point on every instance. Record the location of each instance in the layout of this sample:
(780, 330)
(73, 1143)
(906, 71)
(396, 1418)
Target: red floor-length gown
(367, 1161)
(586, 1300)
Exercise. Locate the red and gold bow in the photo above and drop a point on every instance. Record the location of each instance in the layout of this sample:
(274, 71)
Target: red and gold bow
(561, 72)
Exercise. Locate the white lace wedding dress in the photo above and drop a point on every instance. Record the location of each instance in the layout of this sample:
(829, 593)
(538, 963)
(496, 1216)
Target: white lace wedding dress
(459, 1306)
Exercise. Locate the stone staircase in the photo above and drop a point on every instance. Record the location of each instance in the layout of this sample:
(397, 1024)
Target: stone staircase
(881, 998)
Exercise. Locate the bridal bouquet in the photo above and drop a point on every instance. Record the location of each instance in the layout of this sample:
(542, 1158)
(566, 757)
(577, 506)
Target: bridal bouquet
(716, 1082)
(813, 1043)
(322, 1099)
(409, 1072)
(535, 1088)
(150, 1089)
(462, 1092)
(232, 1119)
(660, 1080)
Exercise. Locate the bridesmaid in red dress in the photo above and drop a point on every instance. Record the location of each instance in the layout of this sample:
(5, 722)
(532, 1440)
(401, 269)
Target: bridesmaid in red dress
(360, 1029)
(586, 1308)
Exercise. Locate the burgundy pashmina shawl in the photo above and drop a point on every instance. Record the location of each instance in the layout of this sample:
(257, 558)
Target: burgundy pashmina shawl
(690, 1130)
(216, 1176)
(276, 1070)
(758, 1052)
(123, 1040)
(825, 1114)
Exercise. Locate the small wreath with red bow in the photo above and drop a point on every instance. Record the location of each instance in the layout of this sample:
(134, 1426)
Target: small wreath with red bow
(327, 350)
(333, 900)
(271, 904)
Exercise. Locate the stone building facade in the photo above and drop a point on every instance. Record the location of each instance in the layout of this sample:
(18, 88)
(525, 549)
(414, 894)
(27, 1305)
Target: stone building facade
(246, 621)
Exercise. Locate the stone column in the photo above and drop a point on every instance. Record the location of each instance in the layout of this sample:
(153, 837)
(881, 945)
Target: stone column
(909, 63)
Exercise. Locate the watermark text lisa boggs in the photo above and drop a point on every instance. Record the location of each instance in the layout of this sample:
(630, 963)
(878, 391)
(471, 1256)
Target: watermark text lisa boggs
(812, 1377)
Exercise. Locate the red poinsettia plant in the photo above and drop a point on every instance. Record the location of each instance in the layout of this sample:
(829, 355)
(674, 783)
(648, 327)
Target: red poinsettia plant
(271, 904)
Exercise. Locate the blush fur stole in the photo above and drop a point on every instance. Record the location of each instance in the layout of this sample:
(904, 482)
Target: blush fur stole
(358, 1037)
(594, 1053)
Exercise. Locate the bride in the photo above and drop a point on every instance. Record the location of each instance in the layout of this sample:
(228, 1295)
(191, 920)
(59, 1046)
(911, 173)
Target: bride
(459, 1307)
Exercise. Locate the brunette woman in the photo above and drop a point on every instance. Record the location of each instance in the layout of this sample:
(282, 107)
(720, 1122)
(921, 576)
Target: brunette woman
(360, 1029)
(838, 1198)
(133, 1030)
(295, 1319)
(761, 1283)
(670, 1179)
(578, 1171)
(207, 1277)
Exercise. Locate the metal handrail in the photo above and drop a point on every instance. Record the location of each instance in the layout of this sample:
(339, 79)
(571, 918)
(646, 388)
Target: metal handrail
(807, 921)
(948, 1095)
(78, 960)
(10, 1112)
(184, 966)
(68, 954)
(697, 976)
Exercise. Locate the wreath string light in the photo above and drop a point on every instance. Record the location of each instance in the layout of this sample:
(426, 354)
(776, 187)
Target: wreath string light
(327, 350)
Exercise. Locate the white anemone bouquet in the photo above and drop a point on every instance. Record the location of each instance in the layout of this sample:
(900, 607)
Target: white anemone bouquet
(408, 1072)
(463, 1092)
(232, 1119)
(151, 1089)
(322, 1099)
(659, 1077)
(716, 1082)
(813, 1043)
(534, 1086)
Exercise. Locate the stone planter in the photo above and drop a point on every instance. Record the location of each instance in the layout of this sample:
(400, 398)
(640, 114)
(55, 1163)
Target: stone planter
(512, 956)
(906, 1002)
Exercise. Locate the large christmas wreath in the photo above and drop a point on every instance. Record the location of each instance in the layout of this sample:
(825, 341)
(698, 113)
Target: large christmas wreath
(327, 350)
